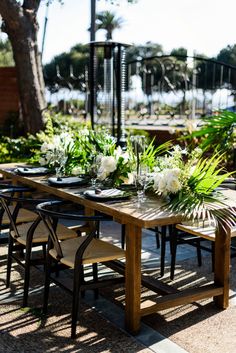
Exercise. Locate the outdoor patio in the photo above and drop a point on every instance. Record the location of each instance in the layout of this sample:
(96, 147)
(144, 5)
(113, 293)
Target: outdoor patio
(117, 135)
(194, 328)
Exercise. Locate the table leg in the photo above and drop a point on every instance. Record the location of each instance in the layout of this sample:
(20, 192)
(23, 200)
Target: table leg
(133, 278)
(222, 265)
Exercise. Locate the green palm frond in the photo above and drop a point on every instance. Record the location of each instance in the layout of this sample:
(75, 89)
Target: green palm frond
(207, 175)
(200, 198)
(151, 152)
(217, 132)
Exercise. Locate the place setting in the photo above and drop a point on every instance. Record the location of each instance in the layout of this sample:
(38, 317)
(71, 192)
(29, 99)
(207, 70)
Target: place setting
(32, 171)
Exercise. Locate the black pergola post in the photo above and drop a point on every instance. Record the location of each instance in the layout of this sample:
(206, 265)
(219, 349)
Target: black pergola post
(115, 51)
(92, 65)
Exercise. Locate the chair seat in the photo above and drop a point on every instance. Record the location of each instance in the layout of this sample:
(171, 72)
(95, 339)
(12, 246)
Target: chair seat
(97, 251)
(24, 215)
(41, 233)
(200, 230)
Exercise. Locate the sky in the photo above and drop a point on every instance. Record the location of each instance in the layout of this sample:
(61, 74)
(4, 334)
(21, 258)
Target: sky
(203, 26)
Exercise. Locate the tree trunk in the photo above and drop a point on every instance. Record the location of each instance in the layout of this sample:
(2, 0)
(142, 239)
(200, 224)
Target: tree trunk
(21, 27)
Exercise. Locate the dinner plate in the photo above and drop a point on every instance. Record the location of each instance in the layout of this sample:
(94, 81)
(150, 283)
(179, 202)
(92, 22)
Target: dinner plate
(127, 187)
(28, 171)
(67, 181)
(106, 195)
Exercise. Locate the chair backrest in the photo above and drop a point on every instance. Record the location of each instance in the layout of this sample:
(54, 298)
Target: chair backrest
(50, 214)
(8, 198)
(11, 190)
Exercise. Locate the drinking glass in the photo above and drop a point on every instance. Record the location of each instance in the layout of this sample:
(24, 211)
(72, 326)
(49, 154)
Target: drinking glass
(141, 182)
(60, 165)
(93, 172)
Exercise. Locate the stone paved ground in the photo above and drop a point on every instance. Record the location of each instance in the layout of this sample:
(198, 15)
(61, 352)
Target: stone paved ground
(196, 328)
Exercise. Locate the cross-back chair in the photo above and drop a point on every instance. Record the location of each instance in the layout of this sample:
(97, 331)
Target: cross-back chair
(26, 235)
(75, 253)
(24, 215)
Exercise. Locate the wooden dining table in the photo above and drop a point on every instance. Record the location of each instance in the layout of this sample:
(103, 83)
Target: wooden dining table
(148, 215)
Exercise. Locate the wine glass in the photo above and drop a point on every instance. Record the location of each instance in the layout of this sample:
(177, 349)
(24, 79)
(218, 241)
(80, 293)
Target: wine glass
(60, 164)
(141, 182)
(93, 172)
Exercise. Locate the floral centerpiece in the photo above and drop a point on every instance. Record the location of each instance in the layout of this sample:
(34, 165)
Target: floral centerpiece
(116, 167)
(74, 155)
(55, 152)
(188, 182)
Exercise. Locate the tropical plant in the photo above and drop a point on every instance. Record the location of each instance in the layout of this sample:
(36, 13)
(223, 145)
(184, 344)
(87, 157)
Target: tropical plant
(218, 134)
(108, 21)
(189, 182)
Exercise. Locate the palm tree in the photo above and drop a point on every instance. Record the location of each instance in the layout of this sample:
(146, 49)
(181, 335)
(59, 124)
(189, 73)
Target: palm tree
(108, 21)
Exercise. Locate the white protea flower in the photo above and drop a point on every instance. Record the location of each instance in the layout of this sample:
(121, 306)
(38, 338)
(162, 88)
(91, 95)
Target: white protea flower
(159, 182)
(162, 184)
(173, 184)
(108, 165)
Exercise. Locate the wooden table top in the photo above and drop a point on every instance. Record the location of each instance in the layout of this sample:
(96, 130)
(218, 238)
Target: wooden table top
(148, 215)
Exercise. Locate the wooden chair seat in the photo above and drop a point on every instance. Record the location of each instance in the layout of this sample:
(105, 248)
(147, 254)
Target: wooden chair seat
(194, 233)
(23, 216)
(41, 233)
(97, 251)
(202, 230)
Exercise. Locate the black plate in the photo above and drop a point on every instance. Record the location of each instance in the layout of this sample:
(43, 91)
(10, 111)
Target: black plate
(127, 187)
(67, 181)
(107, 195)
(30, 171)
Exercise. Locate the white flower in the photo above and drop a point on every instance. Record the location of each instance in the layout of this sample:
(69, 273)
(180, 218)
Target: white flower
(77, 170)
(167, 181)
(173, 184)
(46, 146)
(159, 182)
(162, 184)
(42, 161)
(118, 152)
(84, 132)
(175, 172)
(107, 165)
(55, 152)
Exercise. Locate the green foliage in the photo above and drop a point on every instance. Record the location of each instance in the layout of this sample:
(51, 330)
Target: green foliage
(20, 149)
(218, 134)
(28, 148)
(151, 153)
(180, 52)
(198, 198)
(87, 145)
(109, 22)
(228, 55)
(6, 55)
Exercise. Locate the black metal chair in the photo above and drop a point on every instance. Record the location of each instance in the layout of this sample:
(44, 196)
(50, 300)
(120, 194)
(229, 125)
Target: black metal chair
(195, 235)
(73, 254)
(199, 230)
(24, 215)
(24, 235)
